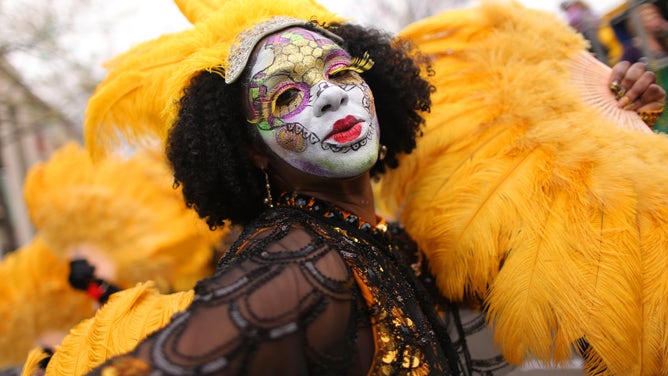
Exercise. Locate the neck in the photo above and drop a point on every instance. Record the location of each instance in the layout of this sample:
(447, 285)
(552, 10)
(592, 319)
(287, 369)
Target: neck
(354, 195)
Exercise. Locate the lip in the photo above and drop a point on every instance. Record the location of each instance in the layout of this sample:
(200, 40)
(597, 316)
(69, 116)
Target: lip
(345, 130)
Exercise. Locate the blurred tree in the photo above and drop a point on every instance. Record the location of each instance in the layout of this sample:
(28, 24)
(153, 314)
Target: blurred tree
(43, 86)
(40, 38)
(390, 15)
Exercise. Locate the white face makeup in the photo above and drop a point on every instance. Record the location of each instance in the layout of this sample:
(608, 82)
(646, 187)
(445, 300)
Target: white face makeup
(310, 105)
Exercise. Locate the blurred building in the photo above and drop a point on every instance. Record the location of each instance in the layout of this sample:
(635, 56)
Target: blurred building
(30, 130)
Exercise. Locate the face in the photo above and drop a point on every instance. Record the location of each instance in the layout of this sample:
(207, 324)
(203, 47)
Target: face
(652, 18)
(310, 105)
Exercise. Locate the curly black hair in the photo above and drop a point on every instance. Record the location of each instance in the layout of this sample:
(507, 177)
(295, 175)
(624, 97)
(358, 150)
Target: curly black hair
(208, 145)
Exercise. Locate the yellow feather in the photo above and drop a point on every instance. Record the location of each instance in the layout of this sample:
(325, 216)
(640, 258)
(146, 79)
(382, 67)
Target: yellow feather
(35, 300)
(126, 209)
(528, 194)
(127, 318)
(31, 366)
(137, 100)
(195, 10)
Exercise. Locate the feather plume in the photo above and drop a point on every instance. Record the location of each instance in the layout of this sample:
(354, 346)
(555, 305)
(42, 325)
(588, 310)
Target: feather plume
(35, 301)
(197, 10)
(539, 196)
(137, 102)
(124, 209)
(127, 318)
(31, 365)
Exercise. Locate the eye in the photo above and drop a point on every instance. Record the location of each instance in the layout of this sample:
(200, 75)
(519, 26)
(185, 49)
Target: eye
(341, 72)
(287, 102)
(286, 97)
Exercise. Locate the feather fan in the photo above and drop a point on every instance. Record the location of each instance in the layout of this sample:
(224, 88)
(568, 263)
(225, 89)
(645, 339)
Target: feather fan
(532, 191)
(36, 300)
(126, 210)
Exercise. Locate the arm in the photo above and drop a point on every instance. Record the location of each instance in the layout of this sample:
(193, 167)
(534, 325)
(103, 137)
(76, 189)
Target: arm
(264, 311)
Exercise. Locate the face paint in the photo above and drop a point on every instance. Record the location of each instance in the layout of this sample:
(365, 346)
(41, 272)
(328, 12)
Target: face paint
(310, 106)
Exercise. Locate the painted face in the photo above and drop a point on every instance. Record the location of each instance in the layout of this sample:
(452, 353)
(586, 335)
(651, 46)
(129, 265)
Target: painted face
(310, 106)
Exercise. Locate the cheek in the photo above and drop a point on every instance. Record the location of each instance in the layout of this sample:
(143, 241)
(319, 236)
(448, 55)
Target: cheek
(290, 140)
(369, 102)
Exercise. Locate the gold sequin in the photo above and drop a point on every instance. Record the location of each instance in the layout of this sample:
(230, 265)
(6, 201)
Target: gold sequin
(390, 356)
(650, 117)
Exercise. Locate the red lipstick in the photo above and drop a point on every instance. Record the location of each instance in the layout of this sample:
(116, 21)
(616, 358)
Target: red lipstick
(345, 130)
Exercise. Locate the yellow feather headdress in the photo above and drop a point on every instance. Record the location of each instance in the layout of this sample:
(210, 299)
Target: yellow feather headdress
(125, 209)
(138, 99)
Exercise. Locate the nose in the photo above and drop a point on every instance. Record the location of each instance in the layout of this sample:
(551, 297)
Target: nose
(329, 98)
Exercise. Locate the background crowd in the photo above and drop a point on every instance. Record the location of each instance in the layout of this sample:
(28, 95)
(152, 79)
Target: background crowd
(633, 31)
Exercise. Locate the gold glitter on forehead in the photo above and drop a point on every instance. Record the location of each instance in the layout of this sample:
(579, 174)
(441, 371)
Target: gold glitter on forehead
(246, 41)
(301, 55)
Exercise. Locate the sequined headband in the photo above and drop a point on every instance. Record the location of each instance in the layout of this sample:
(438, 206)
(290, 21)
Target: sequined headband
(245, 42)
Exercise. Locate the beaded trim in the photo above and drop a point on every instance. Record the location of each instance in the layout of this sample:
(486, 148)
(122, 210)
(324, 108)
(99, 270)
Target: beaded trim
(245, 42)
(332, 212)
(650, 117)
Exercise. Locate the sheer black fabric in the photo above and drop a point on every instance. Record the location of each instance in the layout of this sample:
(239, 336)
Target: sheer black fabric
(306, 290)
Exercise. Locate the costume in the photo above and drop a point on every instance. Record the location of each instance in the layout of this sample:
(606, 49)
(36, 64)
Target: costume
(506, 106)
(79, 206)
(37, 301)
(333, 259)
(133, 229)
(326, 259)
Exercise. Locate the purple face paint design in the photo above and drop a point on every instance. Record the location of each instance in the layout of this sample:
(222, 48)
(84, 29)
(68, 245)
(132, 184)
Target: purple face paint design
(311, 106)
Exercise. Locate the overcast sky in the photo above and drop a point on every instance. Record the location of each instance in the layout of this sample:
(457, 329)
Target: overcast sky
(144, 23)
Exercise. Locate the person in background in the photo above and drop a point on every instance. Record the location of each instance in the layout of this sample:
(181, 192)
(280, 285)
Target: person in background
(655, 28)
(602, 40)
(99, 228)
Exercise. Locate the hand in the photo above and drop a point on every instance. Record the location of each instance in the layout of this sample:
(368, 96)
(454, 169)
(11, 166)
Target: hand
(636, 88)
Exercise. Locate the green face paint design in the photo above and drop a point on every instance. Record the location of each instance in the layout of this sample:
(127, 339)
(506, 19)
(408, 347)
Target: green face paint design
(300, 60)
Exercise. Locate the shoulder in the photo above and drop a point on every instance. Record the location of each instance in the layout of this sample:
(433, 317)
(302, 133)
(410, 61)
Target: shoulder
(283, 234)
(280, 253)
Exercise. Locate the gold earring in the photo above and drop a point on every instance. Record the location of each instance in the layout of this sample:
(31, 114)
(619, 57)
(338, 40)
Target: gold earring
(268, 201)
(382, 152)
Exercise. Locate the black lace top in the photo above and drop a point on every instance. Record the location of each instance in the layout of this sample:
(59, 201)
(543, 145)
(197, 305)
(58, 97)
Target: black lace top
(307, 289)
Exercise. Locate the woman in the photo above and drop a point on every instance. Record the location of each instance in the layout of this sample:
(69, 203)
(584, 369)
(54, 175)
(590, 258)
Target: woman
(315, 266)
(285, 139)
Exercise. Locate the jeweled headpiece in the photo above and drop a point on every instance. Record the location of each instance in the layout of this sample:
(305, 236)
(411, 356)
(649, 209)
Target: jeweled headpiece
(138, 99)
(245, 42)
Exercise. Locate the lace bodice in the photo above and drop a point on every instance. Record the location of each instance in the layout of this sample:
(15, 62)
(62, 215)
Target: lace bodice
(304, 291)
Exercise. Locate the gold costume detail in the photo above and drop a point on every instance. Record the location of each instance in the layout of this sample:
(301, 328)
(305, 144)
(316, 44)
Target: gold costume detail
(650, 117)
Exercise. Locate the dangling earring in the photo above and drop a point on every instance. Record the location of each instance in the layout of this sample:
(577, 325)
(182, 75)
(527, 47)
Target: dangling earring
(268, 201)
(382, 152)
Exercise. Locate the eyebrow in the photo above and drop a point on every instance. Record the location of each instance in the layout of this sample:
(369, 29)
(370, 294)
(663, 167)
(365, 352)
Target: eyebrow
(335, 52)
(275, 71)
